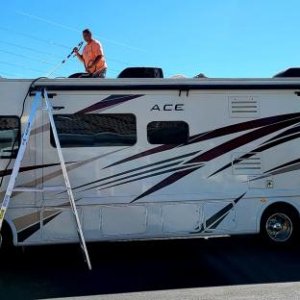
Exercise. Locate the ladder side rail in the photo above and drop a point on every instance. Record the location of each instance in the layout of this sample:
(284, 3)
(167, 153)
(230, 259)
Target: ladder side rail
(19, 158)
(66, 179)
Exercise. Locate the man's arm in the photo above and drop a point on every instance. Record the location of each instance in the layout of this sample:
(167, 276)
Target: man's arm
(95, 61)
(79, 56)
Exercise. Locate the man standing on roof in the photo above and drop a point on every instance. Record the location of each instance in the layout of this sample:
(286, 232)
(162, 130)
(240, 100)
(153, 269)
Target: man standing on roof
(92, 56)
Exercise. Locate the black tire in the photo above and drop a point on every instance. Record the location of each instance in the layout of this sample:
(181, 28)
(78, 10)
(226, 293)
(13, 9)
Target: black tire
(6, 239)
(280, 225)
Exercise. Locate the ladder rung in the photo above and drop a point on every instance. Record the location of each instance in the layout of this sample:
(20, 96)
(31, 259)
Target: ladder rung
(40, 190)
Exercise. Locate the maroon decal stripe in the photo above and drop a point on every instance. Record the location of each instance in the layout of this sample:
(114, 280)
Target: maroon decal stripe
(138, 169)
(149, 176)
(25, 169)
(241, 127)
(290, 131)
(290, 163)
(262, 148)
(108, 102)
(158, 149)
(212, 134)
(166, 182)
(285, 168)
(117, 182)
(242, 140)
(223, 149)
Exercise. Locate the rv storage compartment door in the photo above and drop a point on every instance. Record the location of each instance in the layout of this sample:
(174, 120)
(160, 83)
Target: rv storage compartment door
(124, 220)
(220, 217)
(58, 224)
(180, 218)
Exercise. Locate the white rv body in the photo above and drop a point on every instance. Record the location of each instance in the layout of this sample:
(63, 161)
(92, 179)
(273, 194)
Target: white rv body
(242, 156)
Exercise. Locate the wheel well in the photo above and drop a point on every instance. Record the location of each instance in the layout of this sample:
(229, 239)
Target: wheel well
(279, 205)
(7, 232)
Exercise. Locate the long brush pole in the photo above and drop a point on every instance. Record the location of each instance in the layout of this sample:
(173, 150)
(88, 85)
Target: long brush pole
(58, 66)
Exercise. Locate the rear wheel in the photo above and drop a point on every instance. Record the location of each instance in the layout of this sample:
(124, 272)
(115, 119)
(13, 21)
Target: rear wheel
(280, 225)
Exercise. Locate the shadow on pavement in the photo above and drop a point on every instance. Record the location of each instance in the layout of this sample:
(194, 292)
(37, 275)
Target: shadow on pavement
(59, 271)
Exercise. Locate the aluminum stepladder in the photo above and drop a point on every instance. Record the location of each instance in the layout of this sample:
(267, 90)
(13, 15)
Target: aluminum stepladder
(38, 102)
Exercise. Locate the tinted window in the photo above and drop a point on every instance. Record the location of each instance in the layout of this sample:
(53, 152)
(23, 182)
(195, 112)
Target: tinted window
(9, 136)
(168, 132)
(95, 130)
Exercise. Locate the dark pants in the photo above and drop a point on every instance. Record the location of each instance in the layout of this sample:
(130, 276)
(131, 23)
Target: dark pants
(101, 74)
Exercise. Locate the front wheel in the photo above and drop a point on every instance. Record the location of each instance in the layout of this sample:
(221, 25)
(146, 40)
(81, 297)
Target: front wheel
(280, 225)
(6, 239)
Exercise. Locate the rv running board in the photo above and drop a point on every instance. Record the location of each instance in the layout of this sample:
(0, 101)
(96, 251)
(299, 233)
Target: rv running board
(37, 102)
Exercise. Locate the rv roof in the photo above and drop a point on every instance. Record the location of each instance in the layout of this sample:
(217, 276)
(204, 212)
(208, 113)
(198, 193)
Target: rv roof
(161, 84)
(168, 84)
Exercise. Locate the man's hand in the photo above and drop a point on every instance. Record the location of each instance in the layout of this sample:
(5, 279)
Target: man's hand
(90, 64)
(79, 56)
(76, 51)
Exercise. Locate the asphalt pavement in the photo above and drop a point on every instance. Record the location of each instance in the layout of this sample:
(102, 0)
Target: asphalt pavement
(58, 271)
(274, 291)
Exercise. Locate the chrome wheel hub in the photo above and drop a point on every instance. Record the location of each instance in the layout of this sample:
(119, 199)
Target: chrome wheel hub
(279, 227)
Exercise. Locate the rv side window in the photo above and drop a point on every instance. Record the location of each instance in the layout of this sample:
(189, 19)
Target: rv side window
(95, 130)
(168, 132)
(9, 136)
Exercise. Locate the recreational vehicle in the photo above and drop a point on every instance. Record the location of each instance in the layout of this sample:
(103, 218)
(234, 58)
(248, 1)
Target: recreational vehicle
(154, 158)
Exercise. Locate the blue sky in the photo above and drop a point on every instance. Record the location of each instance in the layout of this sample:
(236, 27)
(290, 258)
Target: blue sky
(221, 38)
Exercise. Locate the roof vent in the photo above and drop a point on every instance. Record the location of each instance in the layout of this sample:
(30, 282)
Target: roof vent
(138, 72)
(247, 164)
(291, 72)
(243, 107)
